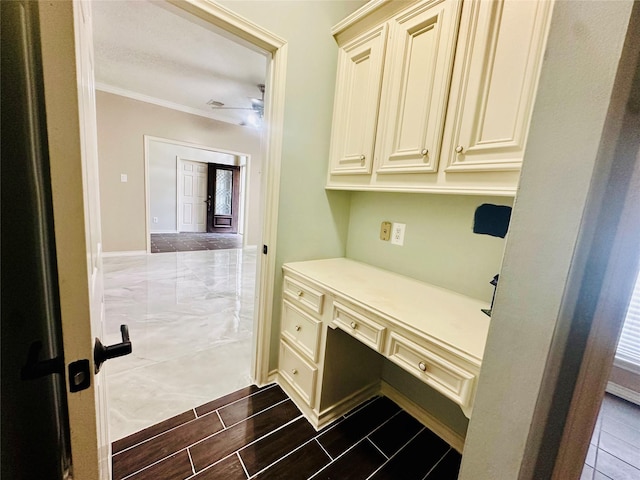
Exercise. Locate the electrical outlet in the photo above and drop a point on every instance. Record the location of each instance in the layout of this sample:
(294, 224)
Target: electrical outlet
(397, 233)
(385, 231)
(123, 178)
(155, 219)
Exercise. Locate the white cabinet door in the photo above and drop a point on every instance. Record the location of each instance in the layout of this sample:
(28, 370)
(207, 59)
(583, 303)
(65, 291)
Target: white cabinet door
(494, 82)
(414, 98)
(356, 103)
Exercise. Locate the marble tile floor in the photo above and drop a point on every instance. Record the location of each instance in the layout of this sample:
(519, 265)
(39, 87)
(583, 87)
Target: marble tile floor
(190, 318)
(191, 241)
(614, 452)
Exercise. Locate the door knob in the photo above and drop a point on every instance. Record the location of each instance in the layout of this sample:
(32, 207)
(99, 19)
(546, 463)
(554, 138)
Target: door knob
(102, 353)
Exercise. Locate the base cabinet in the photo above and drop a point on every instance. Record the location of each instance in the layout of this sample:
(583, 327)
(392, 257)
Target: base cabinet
(332, 361)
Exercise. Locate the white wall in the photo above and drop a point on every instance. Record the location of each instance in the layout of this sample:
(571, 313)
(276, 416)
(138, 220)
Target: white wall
(163, 183)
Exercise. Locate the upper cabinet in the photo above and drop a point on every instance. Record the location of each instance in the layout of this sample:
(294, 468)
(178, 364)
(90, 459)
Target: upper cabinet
(436, 96)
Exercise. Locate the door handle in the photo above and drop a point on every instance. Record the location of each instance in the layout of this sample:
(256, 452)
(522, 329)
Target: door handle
(37, 368)
(102, 353)
(208, 202)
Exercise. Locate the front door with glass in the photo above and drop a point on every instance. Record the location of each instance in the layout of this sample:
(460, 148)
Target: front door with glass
(223, 198)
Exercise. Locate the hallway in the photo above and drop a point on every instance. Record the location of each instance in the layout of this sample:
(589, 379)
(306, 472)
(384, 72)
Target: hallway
(190, 318)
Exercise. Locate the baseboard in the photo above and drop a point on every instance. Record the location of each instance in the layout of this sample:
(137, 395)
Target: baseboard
(164, 231)
(432, 423)
(624, 393)
(337, 410)
(130, 253)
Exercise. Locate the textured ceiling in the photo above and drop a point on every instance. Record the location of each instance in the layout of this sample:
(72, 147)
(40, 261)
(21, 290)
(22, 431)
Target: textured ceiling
(145, 48)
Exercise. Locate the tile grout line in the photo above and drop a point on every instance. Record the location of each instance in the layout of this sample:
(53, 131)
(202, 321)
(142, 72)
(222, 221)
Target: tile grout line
(263, 389)
(242, 463)
(216, 433)
(187, 422)
(195, 413)
(323, 449)
(436, 464)
(366, 437)
(151, 465)
(247, 445)
(392, 456)
(259, 412)
(288, 454)
(377, 448)
(193, 468)
(224, 427)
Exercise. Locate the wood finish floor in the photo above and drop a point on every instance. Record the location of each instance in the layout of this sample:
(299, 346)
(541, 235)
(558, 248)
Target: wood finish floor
(259, 433)
(614, 453)
(188, 242)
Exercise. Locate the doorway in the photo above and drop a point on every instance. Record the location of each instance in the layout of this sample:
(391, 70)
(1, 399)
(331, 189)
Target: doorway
(257, 358)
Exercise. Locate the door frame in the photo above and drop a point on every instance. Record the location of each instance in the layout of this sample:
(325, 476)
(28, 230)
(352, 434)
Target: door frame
(147, 182)
(261, 40)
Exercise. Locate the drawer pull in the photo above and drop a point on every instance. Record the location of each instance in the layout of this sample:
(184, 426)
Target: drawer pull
(297, 327)
(422, 366)
(354, 325)
(294, 371)
(299, 293)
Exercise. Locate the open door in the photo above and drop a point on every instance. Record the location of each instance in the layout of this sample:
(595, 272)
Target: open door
(69, 96)
(223, 202)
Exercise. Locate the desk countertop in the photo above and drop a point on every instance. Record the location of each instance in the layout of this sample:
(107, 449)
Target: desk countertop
(446, 316)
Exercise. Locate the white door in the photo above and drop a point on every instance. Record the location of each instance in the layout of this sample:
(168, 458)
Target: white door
(192, 195)
(67, 57)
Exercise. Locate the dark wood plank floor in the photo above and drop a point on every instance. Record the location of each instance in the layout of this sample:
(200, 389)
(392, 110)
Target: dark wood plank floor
(259, 433)
(188, 242)
(614, 453)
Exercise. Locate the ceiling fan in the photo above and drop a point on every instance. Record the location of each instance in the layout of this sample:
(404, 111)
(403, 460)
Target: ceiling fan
(257, 107)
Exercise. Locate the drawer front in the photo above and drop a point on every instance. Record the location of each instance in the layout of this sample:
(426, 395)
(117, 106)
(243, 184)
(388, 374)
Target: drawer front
(449, 379)
(298, 372)
(301, 330)
(303, 295)
(365, 329)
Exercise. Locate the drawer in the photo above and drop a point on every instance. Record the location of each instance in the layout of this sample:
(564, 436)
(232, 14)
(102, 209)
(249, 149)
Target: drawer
(298, 372)
(365, 329)
(449, 379)
(301, 330)
(303, 295)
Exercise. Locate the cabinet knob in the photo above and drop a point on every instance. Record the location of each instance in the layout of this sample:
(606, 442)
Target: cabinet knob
(299, 293)
(297, 327)
(354, 325)
(422, 366)
(294, 371)
(459, 149)
(424, 152)
(362, 158)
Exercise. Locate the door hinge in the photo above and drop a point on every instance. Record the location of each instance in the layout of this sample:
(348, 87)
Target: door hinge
(265, 249)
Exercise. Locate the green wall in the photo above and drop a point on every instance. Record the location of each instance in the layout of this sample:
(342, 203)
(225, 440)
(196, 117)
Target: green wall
(312, 223)
(439, 245)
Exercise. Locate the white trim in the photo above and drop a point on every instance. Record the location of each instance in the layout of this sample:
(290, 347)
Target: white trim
(180, 143)
(627, 365)
(358, 15)
(103, 87)
(163, 231)
(128, 253)
(450, 436)
(259, 38)
(624, 393)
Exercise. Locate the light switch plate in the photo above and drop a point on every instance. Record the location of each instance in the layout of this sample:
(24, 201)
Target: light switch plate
(385, 231)
(123, 177)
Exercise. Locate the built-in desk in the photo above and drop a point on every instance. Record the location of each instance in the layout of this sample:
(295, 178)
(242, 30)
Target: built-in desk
(341, 318)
